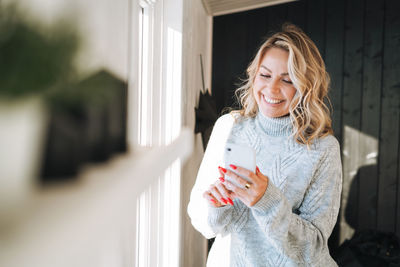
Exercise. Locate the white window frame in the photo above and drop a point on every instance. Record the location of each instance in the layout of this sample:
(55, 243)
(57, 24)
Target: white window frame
(159, 123)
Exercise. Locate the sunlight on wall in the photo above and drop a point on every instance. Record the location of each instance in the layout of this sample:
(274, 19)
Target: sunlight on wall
(172, 177)
(173, 86)
(359, 150)
(144, 88)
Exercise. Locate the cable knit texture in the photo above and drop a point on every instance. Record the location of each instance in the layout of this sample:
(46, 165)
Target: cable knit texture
(290, 225)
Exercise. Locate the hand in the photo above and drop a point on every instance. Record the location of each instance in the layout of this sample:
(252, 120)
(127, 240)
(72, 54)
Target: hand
(256, 185)
(218, 195)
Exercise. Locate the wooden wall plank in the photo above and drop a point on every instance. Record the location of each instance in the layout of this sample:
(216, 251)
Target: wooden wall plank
(370, 120)
(297, 13)
(256, 21)
(390, 120)
(334, 60)
(220, 60)
(276, 17)
(316, 23)
(352, 88)
(398, 187)
(231, 55)
(334, 64)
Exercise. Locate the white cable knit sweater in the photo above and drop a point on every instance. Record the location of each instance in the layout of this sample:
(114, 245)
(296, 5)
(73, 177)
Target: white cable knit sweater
(290, 225)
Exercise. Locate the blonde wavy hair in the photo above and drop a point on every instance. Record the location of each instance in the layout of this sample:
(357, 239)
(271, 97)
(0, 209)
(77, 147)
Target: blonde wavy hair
(309, 114)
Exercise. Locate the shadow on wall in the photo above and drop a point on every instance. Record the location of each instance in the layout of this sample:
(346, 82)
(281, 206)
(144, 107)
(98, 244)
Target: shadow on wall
(367, 247)
(362, 244)
(351, 210)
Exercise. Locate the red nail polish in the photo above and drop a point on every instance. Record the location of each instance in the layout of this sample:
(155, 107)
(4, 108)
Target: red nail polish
(258, 170)
(213, 200)
(233, 166)
(222, 169)
(224, 200)
(222, 179)
(230, 201)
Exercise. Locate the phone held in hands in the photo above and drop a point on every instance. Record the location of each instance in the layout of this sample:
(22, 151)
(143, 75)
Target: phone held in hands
(241, 156)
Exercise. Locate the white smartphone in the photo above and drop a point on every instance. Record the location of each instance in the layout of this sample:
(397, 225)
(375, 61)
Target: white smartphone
(239, 155)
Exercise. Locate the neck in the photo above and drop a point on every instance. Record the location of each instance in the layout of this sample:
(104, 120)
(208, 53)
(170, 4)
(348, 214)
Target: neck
(281, 126)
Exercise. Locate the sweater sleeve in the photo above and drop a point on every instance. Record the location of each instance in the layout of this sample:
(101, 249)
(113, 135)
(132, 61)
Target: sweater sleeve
(303, 236)
(207, 219)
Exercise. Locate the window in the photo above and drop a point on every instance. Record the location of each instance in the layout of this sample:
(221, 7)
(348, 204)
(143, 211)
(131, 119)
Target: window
(159, 123)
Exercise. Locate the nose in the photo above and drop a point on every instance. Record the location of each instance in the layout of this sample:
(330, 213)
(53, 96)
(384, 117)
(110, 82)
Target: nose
(273, 86)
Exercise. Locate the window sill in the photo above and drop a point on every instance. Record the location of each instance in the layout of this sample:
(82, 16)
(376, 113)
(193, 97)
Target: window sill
(62, 221)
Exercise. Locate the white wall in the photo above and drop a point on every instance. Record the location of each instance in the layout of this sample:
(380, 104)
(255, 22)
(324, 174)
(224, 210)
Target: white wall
(197, 33)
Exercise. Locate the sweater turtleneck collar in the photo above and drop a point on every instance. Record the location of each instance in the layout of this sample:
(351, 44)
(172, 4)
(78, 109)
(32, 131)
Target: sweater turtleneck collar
(281, 126)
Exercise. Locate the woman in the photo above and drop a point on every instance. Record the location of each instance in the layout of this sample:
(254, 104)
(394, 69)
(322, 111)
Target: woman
(284, 214)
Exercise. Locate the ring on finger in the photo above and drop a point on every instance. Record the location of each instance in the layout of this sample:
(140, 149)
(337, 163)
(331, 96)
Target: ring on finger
(247, 185)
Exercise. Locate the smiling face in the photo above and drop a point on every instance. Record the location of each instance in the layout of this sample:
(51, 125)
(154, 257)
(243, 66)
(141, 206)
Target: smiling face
(273, 90)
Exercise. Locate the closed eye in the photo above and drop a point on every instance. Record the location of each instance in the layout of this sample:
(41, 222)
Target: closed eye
(287, 81)
(265, 75)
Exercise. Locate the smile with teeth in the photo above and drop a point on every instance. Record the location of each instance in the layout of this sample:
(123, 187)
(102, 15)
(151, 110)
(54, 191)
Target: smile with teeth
(272, 101)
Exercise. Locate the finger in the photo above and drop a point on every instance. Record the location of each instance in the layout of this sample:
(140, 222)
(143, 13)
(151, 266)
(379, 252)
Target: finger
(242, 171)
(237, 179)
(224, 192)
(237, 192)
(215, 192)
(211, 199)
(260, 175)
(221, 170)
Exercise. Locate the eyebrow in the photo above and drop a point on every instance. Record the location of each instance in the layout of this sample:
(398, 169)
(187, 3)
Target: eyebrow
(282, 74)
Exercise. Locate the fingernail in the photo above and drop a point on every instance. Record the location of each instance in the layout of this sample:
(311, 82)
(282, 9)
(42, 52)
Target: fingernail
(222, 179)
(213, 200)
(222, 169)
(230, 201)
(233, 166)
(224, 200)
(258, 170)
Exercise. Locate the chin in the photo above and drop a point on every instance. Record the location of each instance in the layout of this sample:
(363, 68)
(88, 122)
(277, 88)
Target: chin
(273, 114)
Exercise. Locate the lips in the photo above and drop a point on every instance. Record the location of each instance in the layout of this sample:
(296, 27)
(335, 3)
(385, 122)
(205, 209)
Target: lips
(272, 101)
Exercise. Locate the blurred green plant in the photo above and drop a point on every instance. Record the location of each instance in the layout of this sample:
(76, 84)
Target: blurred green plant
(34, 59)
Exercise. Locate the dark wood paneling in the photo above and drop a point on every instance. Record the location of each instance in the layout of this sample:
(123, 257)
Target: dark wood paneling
(390, 120)
(276, 16)
(370, 114)
(334, 60)
(352, 80)
(398, 191)
(351, 110)
(334, 64)
(316, 23)
(256, 21)
(221, 60)
(297, 13)
(234, 33)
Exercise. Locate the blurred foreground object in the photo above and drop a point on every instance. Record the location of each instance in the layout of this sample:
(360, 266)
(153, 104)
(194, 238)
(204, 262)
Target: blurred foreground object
(87, 124)
(21, 138)
(33, 61)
